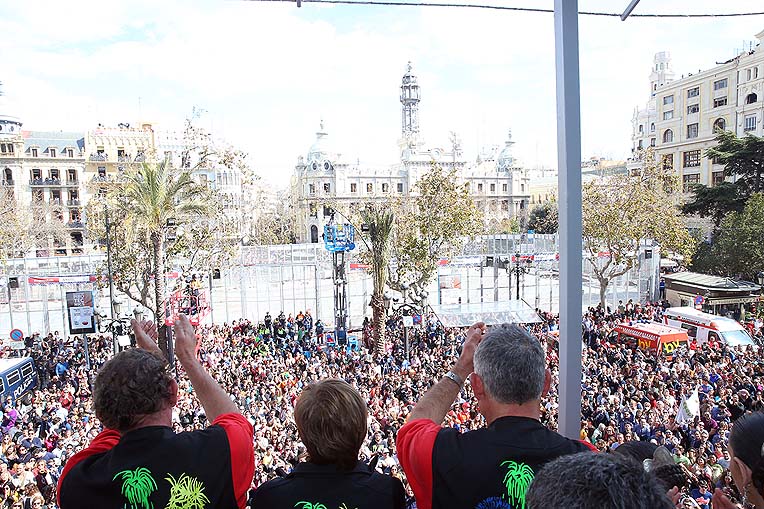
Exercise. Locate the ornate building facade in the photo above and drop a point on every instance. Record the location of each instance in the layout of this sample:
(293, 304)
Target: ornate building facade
(682, 116)
(497, 184)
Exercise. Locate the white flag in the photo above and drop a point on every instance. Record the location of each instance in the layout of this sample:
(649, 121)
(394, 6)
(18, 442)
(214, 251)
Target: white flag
(689, 408)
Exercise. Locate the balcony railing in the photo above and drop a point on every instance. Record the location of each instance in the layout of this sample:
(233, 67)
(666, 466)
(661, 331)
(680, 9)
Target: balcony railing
(8, 182)
(78, 225)
(37, 182)
(73, 203)
(102, 179)
(72, 182)
(123, 159)
(99, 157)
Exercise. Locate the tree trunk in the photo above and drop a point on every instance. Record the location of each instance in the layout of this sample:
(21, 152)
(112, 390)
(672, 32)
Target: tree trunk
(603, 291)
(157, 245)
(378, 323)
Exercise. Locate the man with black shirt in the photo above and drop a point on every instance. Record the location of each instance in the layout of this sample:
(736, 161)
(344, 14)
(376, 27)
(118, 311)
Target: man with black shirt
(493, 466)
(138, 461)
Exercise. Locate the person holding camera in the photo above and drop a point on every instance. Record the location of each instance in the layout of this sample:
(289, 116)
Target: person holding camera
(492, 466)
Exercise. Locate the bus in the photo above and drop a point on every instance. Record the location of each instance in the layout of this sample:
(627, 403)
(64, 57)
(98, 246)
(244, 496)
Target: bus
(704, 327)
(18, 375)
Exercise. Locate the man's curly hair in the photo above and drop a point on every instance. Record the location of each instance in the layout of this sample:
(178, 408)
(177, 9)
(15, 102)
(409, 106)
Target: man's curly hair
(130, 385)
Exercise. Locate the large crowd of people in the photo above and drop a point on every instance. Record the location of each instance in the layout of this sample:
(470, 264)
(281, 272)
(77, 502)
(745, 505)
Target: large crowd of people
(628, 395)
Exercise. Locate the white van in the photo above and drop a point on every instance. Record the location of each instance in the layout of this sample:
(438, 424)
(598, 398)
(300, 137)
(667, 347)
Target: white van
(703, 326)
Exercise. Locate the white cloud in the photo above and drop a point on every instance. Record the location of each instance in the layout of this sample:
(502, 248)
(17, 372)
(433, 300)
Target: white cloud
(266, 73)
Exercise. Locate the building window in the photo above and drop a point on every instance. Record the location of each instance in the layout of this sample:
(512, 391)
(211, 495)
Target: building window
(480, 188)
(36, 174)
(54, 173)
(102, 171)
(748, 74)
(385, 188)
(353, 188)
(522, 188)
(692, 158)
(668, 136)
(652, 142)
(52, 152)
(668, 115)
(720, 84)
(720, 125)
(751, 98)
(720, 101)
(692, 130)
(693, 108)
(327, 211)
(34, 152)
(750, 123)
(311, 188)
(669, 99)
(313, 210)
(688, 181)
(400, 187)
(668, 161)
(504, 188)
(641, 128)
(369, 188)
(717, 178)
(693, 92)
(70, 153)
(327, 187)
(652, 127)
(493, 188)
(640, 145)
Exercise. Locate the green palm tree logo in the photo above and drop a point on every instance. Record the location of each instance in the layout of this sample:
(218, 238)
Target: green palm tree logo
(137, 487)
(186, 492)
(309, 505)
(517, 480)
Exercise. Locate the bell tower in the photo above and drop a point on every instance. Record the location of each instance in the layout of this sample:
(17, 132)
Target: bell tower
(410, 97)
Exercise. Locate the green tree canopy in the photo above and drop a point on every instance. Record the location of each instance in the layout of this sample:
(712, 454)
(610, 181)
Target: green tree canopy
(544, 218)
(743, 159)
(621, 211)
(431, 225)
(738, 250)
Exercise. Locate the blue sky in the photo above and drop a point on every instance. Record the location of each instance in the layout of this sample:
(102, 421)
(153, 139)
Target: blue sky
(266, 73)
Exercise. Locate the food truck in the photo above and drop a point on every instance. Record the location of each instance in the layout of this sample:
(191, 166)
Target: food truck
(655, 337)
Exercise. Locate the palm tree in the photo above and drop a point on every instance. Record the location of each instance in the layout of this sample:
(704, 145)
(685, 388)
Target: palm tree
(380, 220)
(186, 492)
(154, 196)
(137, 487)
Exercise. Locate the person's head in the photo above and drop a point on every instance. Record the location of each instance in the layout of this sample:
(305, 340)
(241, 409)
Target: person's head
(132, 387)
(746, 446)
(510, 368)
(584, 480)
(331, 419)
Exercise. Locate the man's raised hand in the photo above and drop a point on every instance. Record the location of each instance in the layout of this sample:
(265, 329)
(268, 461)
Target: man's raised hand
(185, 339)
(146, 335)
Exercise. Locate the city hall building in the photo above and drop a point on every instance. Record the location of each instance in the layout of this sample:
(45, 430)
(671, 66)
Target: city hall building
(497, 184)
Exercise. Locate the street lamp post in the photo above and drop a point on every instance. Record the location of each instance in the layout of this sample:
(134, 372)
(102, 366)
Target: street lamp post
(108, 269)
(519, 269)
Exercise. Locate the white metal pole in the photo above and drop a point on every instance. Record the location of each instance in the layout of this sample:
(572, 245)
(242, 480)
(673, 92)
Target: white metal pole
(569, 184)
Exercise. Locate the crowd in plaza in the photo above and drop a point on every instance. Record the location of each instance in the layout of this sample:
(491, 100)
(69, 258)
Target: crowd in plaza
(628, 395)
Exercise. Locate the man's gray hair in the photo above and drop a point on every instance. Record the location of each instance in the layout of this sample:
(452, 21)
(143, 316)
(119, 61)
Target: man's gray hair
(511, 364)
(585, 480)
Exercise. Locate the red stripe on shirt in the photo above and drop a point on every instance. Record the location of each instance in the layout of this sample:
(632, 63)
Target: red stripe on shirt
(241, 443)
(414, 444)
(589, 445)
(105, 441)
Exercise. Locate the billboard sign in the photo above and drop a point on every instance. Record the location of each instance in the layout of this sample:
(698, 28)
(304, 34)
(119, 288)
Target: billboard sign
(81, 312)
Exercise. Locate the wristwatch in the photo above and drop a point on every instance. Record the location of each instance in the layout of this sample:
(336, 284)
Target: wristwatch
(455, 378)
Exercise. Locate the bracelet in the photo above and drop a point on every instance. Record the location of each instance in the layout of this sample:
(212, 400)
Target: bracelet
(454, 378)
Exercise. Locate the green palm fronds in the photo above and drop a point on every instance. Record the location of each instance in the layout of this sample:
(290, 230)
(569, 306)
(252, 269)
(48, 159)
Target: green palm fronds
(137, 487)
(309, 505)
(517, 480)
(186, 492)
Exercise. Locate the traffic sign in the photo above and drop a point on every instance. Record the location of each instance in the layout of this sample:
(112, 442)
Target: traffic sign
(17, 335)
(699, 300)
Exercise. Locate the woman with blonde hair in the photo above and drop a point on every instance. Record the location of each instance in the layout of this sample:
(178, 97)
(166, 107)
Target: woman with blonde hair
(331, 420)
